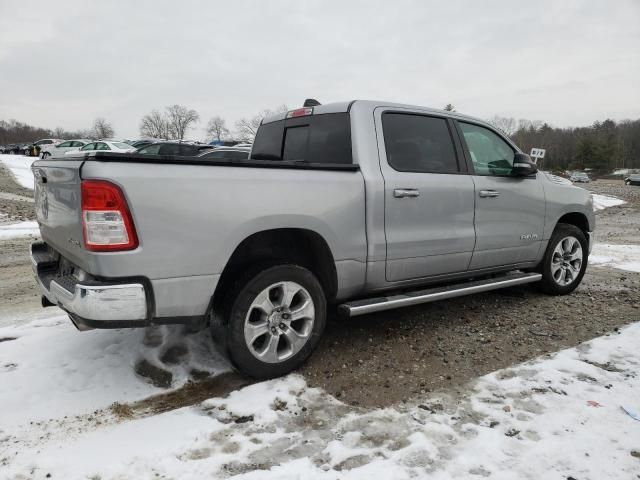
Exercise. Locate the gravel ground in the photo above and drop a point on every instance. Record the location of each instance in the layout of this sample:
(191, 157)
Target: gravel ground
(385, 358)
(16, 202)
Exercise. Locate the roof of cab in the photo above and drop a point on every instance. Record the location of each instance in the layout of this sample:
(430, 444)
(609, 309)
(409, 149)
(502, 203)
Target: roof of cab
(340, 107)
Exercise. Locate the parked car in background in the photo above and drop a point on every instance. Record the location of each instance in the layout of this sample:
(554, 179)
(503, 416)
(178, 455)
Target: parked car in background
(580, 177)
(34, 149)
(632, 179)
(227, 153)
(102, 146)
(11, 148)
(60, 149)
(180, 149)
(15, 148)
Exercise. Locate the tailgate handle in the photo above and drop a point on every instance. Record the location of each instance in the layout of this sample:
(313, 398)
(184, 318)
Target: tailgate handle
(44, 179)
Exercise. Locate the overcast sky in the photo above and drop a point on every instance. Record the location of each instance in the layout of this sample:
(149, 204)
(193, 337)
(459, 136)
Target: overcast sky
(63, 63)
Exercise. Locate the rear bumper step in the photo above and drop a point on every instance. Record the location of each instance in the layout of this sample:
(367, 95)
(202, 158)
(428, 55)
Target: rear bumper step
(406, 299)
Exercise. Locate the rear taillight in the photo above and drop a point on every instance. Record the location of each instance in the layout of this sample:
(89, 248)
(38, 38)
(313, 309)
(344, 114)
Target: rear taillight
(106, 221)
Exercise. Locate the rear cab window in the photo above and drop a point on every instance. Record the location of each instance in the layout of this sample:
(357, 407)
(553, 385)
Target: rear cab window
(315, 139)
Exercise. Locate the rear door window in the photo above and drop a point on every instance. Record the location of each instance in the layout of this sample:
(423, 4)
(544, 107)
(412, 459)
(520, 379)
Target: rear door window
(322, 138)
(418, 143)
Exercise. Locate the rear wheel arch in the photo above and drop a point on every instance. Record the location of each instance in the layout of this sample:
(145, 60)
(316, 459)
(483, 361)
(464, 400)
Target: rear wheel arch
(296, 246)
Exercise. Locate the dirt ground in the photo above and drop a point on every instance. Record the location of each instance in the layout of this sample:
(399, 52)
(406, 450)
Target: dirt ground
(386, 358)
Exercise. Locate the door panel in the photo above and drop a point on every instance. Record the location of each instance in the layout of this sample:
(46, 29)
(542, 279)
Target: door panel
(510, 211)
(428, 216)
(509, 227)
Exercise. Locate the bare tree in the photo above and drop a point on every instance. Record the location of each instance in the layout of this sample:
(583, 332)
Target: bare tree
(180, 119)
(217, 128)
(102, 128)
(506, 124)
(154, 125)
(248, 127)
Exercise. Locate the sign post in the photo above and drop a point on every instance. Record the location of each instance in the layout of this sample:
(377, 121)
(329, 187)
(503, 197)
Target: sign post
(537, 153)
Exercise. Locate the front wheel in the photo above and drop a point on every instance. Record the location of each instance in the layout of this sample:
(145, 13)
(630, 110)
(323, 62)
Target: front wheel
(565, 260)
(276, 320)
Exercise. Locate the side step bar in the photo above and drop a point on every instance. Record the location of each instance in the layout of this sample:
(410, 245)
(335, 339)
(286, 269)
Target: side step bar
(370, 305)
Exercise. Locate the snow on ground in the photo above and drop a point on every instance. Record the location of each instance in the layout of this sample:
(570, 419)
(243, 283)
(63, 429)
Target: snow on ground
(600, 202)
(623, 257)
(48, 369)
(533, 420)
(20, 229)
(20, 166)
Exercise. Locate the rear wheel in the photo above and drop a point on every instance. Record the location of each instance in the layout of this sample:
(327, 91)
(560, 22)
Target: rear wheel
(45, 155)
(565, 260)
(275, 321)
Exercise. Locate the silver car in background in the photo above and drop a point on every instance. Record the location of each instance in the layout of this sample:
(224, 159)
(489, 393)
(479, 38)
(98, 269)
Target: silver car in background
(103, 146)
(580, 177)
(55, 151)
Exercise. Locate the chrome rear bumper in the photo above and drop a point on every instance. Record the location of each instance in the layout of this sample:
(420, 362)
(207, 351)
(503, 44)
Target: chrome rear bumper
(88, 302)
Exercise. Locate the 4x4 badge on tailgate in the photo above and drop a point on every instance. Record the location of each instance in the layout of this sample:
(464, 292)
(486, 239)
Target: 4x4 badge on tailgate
(73, 242)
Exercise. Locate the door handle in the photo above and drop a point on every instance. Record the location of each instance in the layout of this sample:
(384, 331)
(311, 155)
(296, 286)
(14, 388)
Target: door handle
(406, 192)
(489, 193)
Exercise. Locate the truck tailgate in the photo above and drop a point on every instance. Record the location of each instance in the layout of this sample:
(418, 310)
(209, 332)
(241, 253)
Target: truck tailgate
(57, 197)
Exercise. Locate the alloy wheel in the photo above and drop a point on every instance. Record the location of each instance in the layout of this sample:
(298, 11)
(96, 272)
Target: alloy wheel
(566, 261)
(279, 322)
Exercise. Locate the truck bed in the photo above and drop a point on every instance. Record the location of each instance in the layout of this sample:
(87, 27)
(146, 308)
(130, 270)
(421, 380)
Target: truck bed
(191, 214)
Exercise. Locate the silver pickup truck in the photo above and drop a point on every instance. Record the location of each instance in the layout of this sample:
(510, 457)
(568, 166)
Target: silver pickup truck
(363, 205)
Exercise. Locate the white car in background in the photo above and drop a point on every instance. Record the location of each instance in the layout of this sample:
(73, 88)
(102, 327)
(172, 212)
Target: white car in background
(61, 148)
(103, 146)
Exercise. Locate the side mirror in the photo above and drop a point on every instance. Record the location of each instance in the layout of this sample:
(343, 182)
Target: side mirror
(523, 166)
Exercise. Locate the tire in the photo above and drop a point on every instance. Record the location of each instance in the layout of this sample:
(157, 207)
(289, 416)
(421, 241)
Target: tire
(262, 336)
(628, 182)
(46, 155)
(565, 260)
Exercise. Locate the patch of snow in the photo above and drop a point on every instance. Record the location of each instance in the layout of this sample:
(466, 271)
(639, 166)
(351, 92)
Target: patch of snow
(20, 166)
(600, 202)
(20, 229)
(533, 420)
(51, 370)
(623, 257)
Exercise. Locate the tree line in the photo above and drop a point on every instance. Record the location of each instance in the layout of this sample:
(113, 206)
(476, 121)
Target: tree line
(175, 121)
(13, 131)
(603, 146)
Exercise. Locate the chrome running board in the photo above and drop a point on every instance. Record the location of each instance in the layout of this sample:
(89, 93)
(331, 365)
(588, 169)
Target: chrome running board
(405, 299)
